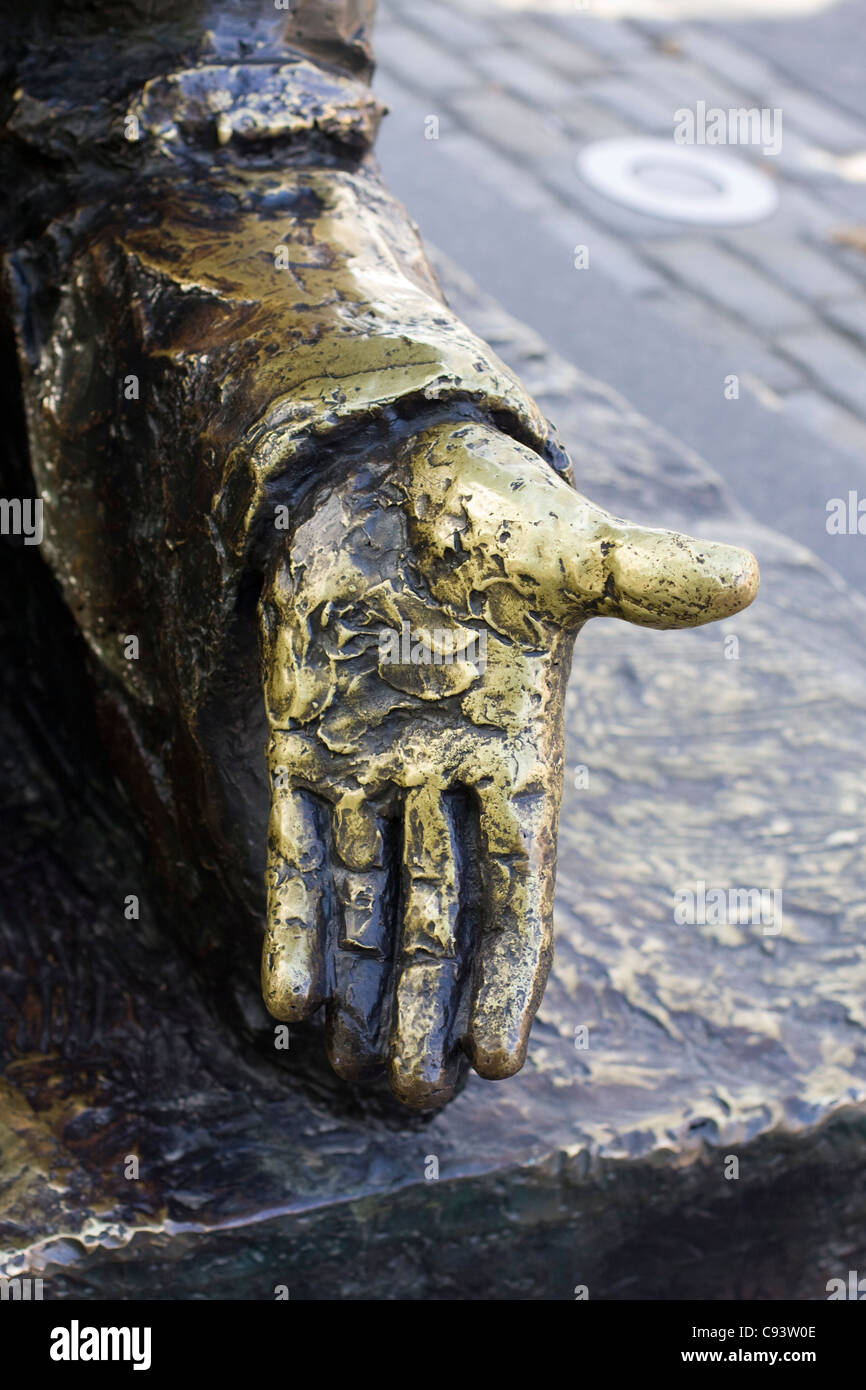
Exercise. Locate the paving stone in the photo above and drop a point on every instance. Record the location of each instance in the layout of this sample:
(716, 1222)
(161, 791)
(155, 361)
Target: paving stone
(457, 32)
(484, 9)
(419, 62)
(807, 272)
(640, 107)
(411, 108)
(612, 40)
(801, 213)
(830, 129)
(608, 255)
(850, 257)
(849, 199)
(510, 180)
(849, 315)
(523, 76)
(730, 282)
(837, 364)
(560, 174)
(742, 351)
(819, 49)
(828, 420)
(513, 125)
(738, 66)
(588, 121)
(801, 160)
(680, 82)
(552, 48)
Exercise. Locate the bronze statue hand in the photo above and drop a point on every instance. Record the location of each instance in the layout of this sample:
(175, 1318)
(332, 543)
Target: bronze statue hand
(417, 639)
(217, 304)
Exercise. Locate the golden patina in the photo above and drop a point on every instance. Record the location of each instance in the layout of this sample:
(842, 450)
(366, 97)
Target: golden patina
(465, 534)
(310, 415)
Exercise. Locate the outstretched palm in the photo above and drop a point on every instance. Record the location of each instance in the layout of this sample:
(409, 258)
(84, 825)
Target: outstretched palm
(417, 641)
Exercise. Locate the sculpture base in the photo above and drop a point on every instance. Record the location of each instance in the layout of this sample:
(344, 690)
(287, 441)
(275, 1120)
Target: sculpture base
(691, 1120)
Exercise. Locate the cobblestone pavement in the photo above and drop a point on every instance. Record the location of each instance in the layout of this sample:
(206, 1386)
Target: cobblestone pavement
(518, 87)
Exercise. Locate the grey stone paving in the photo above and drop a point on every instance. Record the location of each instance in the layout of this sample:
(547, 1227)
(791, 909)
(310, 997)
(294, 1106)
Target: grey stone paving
(663, 311)
(836, 33)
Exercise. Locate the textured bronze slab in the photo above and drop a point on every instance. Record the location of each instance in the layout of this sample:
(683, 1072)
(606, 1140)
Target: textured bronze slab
(600, 1165)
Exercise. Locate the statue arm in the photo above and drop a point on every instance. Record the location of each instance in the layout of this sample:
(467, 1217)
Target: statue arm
(249, 407)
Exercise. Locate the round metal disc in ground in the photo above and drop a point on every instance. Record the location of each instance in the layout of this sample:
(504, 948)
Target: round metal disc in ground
(682, 183)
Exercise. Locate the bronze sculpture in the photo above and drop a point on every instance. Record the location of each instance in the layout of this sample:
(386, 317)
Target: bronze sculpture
(247, 404)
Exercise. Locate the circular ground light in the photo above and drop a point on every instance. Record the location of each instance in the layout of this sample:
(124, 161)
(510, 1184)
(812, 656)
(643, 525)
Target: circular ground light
(682, 183)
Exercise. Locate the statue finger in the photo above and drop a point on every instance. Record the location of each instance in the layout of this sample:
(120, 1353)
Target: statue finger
(525, 527)
(365, 885)
(293, 962)
(425, 1061)
(662, 579)
(514, 953)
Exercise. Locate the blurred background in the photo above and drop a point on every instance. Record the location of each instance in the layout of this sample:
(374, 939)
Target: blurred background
(747, 340)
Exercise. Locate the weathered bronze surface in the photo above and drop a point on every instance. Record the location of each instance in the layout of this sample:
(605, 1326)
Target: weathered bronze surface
(602, 1165)
(248, 405)
(465, 537)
